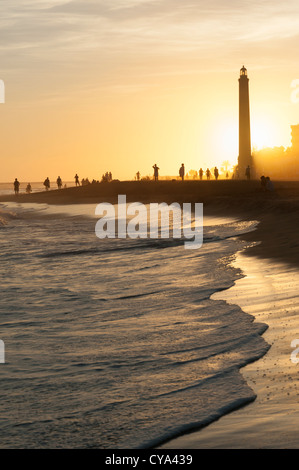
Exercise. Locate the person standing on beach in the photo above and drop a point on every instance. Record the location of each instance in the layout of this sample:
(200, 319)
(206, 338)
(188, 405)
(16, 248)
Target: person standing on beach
(200, 173)
(77, 180)
(182, 172)
(59, 182)
(28, 188)
(247, 173)
(216, 173)
(208, 173)
(16, 186)
(156, 172)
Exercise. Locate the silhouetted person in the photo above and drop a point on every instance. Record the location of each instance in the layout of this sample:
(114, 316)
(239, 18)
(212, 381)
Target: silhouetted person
(182, 172)
(208, 174)
(227, 175)
(16, 186)
(247, 173)
(269, 184)
(59, 182)
(216, 173)
(138, 175)
(200, 173)
(263, 183)
(28, 188)
(47, 184)
(77, 180)
(156, 172)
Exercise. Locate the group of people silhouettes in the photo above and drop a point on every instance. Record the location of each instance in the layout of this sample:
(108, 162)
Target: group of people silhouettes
(46, 184)
(107, 177)
(16, 185)
(182, 173)
(208, 173)
(266, 183)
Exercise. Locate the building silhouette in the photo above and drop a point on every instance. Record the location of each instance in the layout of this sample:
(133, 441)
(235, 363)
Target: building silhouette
(295, 138)
(279, 163)
(244, 158)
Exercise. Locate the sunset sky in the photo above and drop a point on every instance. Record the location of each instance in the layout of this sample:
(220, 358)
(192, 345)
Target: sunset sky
(118, 85)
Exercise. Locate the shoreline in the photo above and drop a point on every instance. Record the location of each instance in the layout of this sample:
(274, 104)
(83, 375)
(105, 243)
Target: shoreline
(269, 293)
(271, 259)
(275, 211)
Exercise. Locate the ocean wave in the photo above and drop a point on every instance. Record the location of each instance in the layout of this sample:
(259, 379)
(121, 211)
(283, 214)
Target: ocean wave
(132, 368)
(5, 216)
(197, 425)
(140, 244)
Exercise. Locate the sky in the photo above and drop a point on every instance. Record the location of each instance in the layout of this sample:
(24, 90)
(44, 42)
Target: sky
(119, 85)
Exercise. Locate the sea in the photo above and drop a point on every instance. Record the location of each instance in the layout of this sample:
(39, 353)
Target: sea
(116, 343)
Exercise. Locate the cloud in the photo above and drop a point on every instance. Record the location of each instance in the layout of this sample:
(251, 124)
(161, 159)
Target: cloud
(100, 40)
(84, 24)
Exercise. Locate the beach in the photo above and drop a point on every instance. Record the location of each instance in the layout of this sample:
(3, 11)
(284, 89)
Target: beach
(269, 291)
(254, 285)
(149, 214)
(277, 211)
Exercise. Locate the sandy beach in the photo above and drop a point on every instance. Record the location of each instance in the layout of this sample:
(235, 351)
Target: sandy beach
(268, 291)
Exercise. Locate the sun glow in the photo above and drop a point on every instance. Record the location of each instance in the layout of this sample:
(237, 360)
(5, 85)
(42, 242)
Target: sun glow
(264, 133)
(225, 146)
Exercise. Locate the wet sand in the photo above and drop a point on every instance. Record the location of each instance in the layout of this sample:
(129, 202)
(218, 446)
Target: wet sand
(270, 292)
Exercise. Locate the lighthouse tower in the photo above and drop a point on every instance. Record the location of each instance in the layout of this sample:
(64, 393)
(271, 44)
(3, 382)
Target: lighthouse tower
(244, 159)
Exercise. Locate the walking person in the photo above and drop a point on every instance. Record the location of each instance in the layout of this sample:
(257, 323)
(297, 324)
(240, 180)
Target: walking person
(47, 184)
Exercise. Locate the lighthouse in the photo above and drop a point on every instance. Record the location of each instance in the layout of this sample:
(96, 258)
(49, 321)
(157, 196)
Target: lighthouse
(244, 159)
